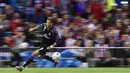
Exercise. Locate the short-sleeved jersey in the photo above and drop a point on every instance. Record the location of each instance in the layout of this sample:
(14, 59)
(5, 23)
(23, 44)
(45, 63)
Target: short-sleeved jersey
(49, 37)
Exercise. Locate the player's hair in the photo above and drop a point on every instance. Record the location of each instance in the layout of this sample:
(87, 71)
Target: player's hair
(50, 19)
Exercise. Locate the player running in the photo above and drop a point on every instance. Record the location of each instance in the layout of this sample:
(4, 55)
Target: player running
(49, 40)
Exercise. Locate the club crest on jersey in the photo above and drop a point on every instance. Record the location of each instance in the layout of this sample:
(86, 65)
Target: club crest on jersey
(45, 35)
(44, 29)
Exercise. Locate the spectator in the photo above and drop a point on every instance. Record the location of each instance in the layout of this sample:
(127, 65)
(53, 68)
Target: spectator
(29, 12)
(59, 27)
(129, 3)
(127, 53)
(66, 19)
(39, 15)
(1, 28)
(14, 23)
(4, 1)
(48, 13)
(72, 7)
(96, 9)
(103, 55)
(8, 41)
(113, 10)
(69, 39)
(30, 37)
(126, 8)
(19, 37)
(77, 20)
(64, 4)
(38, 3)
(9, 11)
(79, 7)
(78, 53)
(55, 16)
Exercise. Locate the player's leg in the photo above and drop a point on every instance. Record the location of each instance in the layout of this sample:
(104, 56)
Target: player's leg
(49, 58)
(42, 55)
(35, 53)
(43, 52)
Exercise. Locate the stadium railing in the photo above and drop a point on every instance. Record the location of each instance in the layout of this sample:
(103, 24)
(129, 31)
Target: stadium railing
(92, 47)
(91, 60)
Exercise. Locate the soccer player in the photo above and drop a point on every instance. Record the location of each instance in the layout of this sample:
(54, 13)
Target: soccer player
(49, 40)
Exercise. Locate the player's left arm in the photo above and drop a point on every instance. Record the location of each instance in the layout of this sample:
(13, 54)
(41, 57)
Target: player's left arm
(50, 47)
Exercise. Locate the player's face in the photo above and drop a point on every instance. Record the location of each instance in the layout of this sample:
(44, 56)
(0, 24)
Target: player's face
(49, 24)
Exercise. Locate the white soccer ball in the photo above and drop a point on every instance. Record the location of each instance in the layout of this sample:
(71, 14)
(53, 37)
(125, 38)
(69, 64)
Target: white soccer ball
(56, 56)
(23, 45)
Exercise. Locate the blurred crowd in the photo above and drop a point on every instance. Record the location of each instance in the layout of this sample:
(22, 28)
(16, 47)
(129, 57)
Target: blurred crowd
(80, 23)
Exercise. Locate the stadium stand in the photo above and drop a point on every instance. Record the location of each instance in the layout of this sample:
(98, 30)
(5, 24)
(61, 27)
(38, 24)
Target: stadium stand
(80, 23)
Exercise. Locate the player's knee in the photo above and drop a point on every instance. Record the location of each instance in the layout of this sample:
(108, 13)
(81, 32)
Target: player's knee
(35, 53)
(42, 56)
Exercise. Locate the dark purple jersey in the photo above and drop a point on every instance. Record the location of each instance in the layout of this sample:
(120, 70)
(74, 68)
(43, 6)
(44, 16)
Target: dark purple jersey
(49, 36)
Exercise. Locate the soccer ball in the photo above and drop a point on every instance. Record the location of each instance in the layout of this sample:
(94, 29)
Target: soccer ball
(56, 56)
(23, 45)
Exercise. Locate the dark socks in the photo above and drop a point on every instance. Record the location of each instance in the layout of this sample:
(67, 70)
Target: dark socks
(48, 58)
(45, 57)
(55, 64)
(28, 61)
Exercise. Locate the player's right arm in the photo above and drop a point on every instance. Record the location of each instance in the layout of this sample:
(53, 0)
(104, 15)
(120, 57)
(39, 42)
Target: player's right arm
(34, 28)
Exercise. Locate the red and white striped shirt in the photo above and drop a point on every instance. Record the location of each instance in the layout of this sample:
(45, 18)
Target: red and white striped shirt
(101, 51)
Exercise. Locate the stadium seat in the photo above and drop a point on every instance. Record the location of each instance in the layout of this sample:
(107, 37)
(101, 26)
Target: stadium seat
(27, 54)
(68, 60)
(45, 64)
(67, 54)
(7, 33)
(69, 63)
(37, 59)
(5, 58)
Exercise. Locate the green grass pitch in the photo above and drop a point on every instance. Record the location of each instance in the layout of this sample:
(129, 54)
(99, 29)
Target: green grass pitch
(67, 70)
